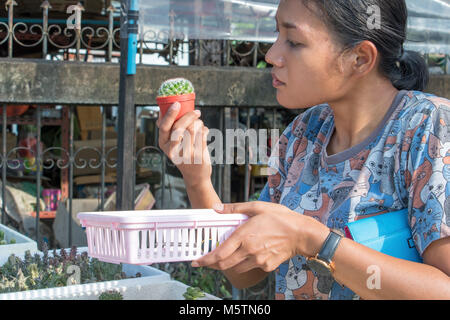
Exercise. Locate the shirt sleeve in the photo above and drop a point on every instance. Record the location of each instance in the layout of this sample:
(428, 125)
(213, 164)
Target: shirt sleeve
(428, 175)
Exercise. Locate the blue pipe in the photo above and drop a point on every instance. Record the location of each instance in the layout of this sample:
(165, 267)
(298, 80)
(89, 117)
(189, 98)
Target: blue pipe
(132, 36)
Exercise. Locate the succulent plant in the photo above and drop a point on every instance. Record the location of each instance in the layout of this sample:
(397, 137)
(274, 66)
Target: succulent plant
(34, 272)
(175, 87)
(3, 240)
(111, 295)
(193, 293)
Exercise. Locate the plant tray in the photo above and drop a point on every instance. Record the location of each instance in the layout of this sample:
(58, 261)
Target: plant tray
(132, 288)
(154, 236)
(22, 244)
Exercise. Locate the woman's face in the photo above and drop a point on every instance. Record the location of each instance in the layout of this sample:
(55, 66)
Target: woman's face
(304, 58)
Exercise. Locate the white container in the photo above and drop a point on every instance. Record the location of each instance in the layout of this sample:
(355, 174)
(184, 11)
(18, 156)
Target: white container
(22, 244)
(131, 288)
(153, 236)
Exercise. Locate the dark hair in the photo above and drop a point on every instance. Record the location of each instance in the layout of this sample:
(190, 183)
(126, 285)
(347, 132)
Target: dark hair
(348, 20)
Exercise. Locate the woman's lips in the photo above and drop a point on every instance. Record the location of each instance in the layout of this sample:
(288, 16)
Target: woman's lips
(276, 83)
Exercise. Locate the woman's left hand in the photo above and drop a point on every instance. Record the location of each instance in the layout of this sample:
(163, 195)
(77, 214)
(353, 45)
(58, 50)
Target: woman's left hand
(272, 234)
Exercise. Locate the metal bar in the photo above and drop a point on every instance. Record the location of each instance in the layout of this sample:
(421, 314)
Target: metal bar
(103, 160)
(111, 31)
(38, 171)
(163, 179)
(221, 165)
(228, 53)
(10, 5)
(78, 48)
(127, 121)
(72, 161)
(4, 164)
(78, 10)
(247, 171)
(65, 127)
(45, 5)
(141, 44)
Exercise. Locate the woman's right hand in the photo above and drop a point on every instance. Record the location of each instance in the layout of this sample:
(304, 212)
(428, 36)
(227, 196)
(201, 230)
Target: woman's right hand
(185, 143)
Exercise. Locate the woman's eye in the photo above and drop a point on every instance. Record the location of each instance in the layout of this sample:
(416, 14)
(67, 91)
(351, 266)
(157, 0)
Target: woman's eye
(292, 44)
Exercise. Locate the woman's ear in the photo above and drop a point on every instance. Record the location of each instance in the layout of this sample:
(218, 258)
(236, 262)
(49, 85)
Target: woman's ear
(365, 57)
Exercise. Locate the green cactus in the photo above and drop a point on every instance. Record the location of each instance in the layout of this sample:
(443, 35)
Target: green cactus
(111, 295)
(2, 235)
(193, 293)
(175, 87)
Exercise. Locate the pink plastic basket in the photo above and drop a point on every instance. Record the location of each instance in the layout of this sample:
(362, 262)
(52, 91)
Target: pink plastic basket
(152, 236)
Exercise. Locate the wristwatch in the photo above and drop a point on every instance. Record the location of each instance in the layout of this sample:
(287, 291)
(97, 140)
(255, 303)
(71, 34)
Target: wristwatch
(322, 263)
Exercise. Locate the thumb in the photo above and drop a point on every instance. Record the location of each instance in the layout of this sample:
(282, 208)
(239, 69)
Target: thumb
(248, 208)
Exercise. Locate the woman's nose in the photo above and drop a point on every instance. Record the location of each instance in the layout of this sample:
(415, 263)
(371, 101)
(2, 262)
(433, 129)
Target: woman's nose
(273, 58)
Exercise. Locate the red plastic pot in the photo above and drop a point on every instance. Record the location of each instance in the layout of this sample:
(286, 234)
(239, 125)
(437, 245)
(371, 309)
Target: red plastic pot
(187, 102)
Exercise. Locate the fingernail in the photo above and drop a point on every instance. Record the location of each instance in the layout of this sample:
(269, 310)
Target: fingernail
(198, 112)
(218, 207)
(175, 106)
(194, 264)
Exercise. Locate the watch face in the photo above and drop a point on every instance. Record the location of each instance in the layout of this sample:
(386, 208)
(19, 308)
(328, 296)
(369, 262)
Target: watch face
(319, 267)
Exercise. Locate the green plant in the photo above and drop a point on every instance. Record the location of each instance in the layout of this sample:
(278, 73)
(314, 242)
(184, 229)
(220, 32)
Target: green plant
(209, 280)
(261, 65)
(3, 240)
(193, 293)
(174, 87)
(111, 295)
(58, 270)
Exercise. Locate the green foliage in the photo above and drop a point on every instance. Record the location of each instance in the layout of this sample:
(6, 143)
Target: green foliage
(193, 293)
(261, 65)
(255, 196)
(175, 87)
(209, 280)
(34, 272)
(111, 295)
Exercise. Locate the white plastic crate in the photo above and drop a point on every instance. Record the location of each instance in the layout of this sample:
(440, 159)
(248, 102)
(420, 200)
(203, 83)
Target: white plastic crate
(153, 236)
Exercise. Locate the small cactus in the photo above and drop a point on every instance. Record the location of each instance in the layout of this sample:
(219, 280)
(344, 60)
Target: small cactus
(193, 293)
(111, 295)
(175, 87)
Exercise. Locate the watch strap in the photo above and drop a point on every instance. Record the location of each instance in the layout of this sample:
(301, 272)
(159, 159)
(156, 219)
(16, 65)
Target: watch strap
(329, 247)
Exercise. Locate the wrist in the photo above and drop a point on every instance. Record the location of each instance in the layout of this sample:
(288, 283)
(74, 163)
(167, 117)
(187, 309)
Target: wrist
(314, 235)
(199, 184)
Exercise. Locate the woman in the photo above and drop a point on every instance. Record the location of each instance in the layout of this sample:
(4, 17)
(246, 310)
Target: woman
(370, 142)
